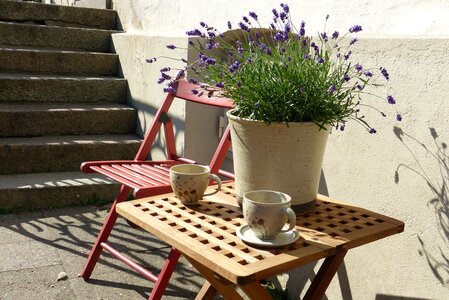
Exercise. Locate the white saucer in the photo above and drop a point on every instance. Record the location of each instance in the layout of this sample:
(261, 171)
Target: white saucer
(245, 233)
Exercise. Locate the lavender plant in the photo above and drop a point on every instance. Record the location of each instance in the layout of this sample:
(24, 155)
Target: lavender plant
(278, 74)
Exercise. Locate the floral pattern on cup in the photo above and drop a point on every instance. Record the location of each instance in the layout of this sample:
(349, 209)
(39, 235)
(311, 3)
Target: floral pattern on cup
(266, 213)
(190, 181)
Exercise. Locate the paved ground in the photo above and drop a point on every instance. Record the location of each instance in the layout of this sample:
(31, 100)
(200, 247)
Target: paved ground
(36, 247)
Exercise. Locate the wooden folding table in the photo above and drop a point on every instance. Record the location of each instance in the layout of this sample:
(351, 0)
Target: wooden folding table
(206, 236)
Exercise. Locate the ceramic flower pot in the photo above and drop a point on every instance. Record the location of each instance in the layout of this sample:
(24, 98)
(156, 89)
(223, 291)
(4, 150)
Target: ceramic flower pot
(278, 157)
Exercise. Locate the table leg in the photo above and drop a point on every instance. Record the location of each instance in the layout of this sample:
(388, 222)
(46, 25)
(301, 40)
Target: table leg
(222, 285)
(207, 292)
(256, 291)
(324, 276)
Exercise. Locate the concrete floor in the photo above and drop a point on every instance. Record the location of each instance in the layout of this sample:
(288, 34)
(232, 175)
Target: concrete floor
(35, 247)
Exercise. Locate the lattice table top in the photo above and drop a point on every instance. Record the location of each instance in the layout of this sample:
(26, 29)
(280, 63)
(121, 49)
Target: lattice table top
(206, 233)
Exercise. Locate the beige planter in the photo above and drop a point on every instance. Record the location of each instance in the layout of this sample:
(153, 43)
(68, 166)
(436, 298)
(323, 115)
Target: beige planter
(277, 157)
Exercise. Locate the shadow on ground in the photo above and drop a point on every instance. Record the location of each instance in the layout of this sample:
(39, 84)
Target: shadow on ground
(59, 240)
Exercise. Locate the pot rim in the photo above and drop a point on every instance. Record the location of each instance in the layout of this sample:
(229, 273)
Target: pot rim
(241, 120)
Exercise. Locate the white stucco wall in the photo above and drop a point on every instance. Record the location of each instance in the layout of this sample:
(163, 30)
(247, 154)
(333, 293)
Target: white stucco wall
(402, 171)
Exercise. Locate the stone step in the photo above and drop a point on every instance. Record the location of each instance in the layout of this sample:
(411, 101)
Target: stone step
(47, 190)
(58, 15)
(63, 153)
(13, 60)
(18, 120)
(54, 37)
(45, 88)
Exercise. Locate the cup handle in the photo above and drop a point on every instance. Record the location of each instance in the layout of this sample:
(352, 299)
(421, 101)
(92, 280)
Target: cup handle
(291, 218)
(216, 179)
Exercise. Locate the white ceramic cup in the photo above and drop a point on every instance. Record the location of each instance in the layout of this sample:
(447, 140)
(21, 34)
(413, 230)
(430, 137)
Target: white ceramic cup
(189, 182)
(266, 212)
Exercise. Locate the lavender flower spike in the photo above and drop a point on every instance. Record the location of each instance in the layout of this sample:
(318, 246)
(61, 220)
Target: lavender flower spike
(169, 90)
(150, 60)
(253, 15)
(384, 73)
(358, 67)
(355, 28)
(229, 25)
(219, 85)
(391, 99)
(372, 131)
(399, 117)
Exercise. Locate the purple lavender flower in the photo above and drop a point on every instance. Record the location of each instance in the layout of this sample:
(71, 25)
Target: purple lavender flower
(240, 50)
(211, 61)
(180, 74)
(166, 69)
(208, 46)
(263, 47)
(244, 27)
(275, 13)
(165, 76)
(358, 67)
(191, 43)
(234, 66)
(399, 117)
(171, 47)
(279, 37)
(160, 80)
(332, 89)
(200, 94)
(288, 28)
(324, 36)
(302, 31)
(203, 24)
(368, 73)
(246, 20)
(269, 52)
(353, 40)
(229, 25)
(193, 81)
(384, 73)
(253, 15)
(285, 7)
(169, 90)
(195, 92)
(346, 78)
(219, 85)
(249, 60)
(239, 84)
(391, 99)
(347, 55)
(360, 87)
(372, 131)
(194, 32)
(272, 26)
(355, 28)
(283, 16)
(150, 60)
(320, 60)
(335, 35)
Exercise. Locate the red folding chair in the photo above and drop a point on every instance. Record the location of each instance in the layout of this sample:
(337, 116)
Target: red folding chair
(149, 178)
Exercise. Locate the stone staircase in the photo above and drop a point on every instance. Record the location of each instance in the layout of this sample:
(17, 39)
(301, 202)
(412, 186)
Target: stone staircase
(62, 102)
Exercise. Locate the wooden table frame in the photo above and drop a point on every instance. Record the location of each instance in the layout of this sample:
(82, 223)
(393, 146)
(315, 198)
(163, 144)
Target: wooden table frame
(205, 235)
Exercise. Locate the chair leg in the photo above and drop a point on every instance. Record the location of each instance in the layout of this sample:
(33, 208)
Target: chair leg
(104, 234)
(164, 276)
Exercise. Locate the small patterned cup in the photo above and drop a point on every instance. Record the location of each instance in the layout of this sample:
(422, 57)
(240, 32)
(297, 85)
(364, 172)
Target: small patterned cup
(189, 182)
(266, 213)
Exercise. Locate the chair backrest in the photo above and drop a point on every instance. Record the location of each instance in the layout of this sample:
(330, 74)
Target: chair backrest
(184, 92)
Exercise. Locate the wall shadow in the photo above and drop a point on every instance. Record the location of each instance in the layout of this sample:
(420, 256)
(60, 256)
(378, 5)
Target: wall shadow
(438, 154)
